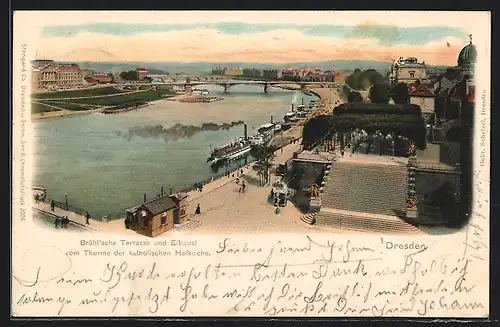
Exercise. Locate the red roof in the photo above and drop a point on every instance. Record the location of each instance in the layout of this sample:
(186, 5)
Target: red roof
(420, 90)
(90, 80)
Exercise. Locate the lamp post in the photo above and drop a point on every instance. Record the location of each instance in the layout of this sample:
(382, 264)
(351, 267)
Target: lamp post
(393, 145)
(66, 200)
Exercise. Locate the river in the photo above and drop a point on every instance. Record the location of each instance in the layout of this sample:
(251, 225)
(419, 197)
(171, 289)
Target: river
(90, 159)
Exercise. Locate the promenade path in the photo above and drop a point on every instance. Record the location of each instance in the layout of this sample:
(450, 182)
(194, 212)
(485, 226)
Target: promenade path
(79, 220)
(95, 96)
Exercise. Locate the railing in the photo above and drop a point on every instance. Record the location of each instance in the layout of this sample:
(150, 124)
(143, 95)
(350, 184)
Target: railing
(216, 177)
(437, 166)
(70, 208)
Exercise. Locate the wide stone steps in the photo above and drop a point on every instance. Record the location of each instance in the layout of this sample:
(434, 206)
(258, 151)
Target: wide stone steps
(188, 226)
(378, 189)
(309, 218)
(364, 223)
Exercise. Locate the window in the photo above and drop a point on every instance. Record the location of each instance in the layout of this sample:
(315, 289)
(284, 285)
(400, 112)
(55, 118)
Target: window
(183, 211)
(412, 74)
(164, 219)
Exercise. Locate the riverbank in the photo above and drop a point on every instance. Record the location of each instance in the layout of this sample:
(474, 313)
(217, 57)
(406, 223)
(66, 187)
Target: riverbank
(55, 107)
(330, 98)
(64, 112)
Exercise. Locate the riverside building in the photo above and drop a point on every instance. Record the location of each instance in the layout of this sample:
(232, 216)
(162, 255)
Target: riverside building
(407, 71)
(53, 77)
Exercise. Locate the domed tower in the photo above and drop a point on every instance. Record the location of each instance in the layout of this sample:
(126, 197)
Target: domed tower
(467, 57)
(467, 60)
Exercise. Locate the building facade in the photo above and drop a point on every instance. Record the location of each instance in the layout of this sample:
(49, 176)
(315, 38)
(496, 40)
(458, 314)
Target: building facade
(103, 78)
(407, 71)
(272, 74)
(45, 78)
(141, 73)
(422, 96)
(53, 77)
(252, 73)
(233, 72)
(69, 77)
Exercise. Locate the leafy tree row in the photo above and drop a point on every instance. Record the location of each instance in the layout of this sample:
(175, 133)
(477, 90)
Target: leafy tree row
(129, 75)
(410, 126)
(382, 93)
(362, 80)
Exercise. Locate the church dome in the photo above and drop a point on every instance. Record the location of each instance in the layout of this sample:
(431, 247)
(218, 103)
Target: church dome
(468, 55)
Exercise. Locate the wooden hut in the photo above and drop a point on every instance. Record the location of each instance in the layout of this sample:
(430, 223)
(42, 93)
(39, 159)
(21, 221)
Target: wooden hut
(157, 216)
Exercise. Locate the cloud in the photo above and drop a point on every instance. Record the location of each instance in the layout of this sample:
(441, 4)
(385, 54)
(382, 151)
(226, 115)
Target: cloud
(243, 43)
(386, 34)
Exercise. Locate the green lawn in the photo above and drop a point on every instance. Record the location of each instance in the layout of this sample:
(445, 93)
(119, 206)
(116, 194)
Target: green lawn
(71, 106)
(37, 108)
(77, 93)
(145, 96)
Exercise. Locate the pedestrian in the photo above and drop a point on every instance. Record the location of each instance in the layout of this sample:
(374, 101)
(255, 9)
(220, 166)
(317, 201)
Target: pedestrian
(87, 218)
(342, 153)
(241, 171)
(201, 188)
(57, 222)
(198, 209)
(52, 205)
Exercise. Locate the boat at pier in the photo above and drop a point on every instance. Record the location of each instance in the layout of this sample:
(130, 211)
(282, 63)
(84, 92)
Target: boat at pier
(234, 150)
(289, 116)
(266, 131)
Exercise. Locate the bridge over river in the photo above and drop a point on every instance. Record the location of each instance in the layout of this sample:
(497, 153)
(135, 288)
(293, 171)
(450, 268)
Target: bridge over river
(227, 84)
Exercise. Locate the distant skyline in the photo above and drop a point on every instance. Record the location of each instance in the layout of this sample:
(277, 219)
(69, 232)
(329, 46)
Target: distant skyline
(257, 37)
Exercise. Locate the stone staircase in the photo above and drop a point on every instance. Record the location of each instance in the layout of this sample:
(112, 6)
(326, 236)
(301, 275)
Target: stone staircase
(364, 223)
(309, 218)
(371, 188)
(188, 226)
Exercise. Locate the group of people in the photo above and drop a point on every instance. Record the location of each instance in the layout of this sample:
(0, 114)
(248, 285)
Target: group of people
(63, 222)
(243, 186)
(198, 187)
(39, 198)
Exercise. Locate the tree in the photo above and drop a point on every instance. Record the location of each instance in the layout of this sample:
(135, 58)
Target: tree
(379, 93)
(130, 75)
(362, 80)
(354, 97)
(400, 94)
(264, 156)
